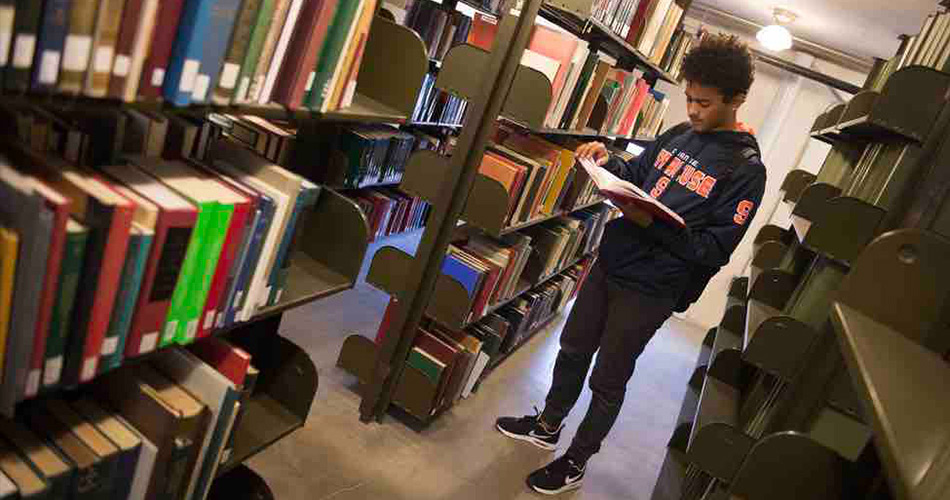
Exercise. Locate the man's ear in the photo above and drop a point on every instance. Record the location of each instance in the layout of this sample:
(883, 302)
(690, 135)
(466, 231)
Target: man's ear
(737, 100)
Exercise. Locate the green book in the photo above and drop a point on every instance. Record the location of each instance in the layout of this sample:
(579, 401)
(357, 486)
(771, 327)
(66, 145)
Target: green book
(201, 279)
(113, 347)
(207, 211)
(426, 364)
(331, 52)
(74, 251)
(265, 16)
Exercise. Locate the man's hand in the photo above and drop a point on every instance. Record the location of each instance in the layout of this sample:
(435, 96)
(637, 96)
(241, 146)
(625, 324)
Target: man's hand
(593, 150)
(637, 216)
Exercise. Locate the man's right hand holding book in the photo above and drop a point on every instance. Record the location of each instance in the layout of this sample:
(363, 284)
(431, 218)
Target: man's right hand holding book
(597, 152)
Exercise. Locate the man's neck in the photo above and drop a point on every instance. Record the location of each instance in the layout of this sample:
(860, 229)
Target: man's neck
(728, 125)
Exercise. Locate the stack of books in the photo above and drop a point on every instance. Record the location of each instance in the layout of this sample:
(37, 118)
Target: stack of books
(158, 429)
(358, 156)
(455, 361)
(439, 28)
(438, 106)
(929, 48)
(489, 270)
(110, 264)
(556, 243)
(648, 25)
(390, 211)
(672, 61)
(539, 175)
(581, 78)
(293, 52)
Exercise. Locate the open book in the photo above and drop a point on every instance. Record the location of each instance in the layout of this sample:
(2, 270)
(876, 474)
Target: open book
(622, 192)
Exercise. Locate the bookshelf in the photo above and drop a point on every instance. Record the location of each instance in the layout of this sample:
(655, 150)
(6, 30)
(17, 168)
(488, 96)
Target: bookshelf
(574, 16)
(393, 60)
(840, 322)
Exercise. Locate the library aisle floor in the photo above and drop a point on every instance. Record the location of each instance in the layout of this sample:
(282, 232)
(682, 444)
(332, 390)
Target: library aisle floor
(461, 455)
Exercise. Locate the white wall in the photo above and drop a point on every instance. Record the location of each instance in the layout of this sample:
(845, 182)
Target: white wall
(781, 108)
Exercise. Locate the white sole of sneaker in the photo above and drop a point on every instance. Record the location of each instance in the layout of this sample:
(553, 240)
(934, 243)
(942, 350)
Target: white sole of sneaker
(528, 439)
(564, 489)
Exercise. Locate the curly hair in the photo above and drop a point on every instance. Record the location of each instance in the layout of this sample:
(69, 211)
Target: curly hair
(723, 62)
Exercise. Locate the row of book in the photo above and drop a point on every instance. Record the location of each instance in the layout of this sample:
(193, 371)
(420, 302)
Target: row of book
(538, 175)
(294, 52)
(115, 263)
(929, 48)
(672, 61)
(582, 80)
(456, 361)
(435, 105)
(440, 28)
(160, 429)
(648, 25)
(390, 211)
(493, 272)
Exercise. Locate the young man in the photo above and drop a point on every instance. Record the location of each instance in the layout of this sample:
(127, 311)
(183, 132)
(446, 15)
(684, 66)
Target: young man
(710, 174)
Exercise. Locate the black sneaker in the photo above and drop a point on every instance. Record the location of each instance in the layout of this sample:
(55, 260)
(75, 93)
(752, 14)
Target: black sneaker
(563, 474)
(528, 428)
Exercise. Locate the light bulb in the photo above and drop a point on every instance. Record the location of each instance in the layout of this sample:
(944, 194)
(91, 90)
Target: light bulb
(775, 38)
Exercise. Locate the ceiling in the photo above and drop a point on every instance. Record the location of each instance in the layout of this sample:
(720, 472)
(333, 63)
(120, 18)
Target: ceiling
(865, 28)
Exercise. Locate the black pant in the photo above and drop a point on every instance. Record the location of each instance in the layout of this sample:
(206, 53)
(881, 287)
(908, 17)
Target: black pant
(618, 322)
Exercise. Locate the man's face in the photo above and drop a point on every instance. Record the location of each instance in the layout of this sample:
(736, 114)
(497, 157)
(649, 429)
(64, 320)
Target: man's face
(706, 107)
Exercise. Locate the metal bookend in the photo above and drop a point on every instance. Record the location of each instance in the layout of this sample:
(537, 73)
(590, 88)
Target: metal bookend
(389, 271)
(716, 445)
(790, 466)
(487, 205)
(769, 295)
(282, 397)
(842, 227)
(795, 183)
(425, 175)
(904, 110)
(358, 356)
(857, 108)
(809, 204)
(396, 62)
(780, 346)
(341, 217)
(530, 95)
(901, 280)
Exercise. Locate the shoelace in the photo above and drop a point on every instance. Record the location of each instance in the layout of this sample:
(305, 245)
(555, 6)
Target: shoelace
(537, 418)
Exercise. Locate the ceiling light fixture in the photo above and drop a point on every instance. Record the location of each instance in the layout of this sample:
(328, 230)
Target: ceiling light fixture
(776, 37)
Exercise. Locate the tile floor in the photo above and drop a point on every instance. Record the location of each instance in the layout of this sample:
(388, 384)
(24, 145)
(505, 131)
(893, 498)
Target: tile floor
(460, 455)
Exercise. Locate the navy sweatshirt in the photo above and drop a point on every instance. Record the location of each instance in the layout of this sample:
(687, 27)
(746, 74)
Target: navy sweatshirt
(689, 173)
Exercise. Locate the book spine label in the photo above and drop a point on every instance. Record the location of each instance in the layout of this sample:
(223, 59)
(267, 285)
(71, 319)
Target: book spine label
(103, 48)
(261, 25)
(26, 22)
(240, 40)
(78, 46)
(182, 72)
(156, 62)
(6, 33)
(50, 43)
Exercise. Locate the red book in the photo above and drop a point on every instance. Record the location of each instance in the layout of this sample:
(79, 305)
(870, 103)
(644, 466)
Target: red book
(232, 243)
(488, 285)
(113, 213)
(176, 220)
(228, 360)
(253, 200)
(303, 51)
(643, 88)
(166, 27)
(387, 318)
(123, 46)
(638, 22)
(482, 32)
(59, 206)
